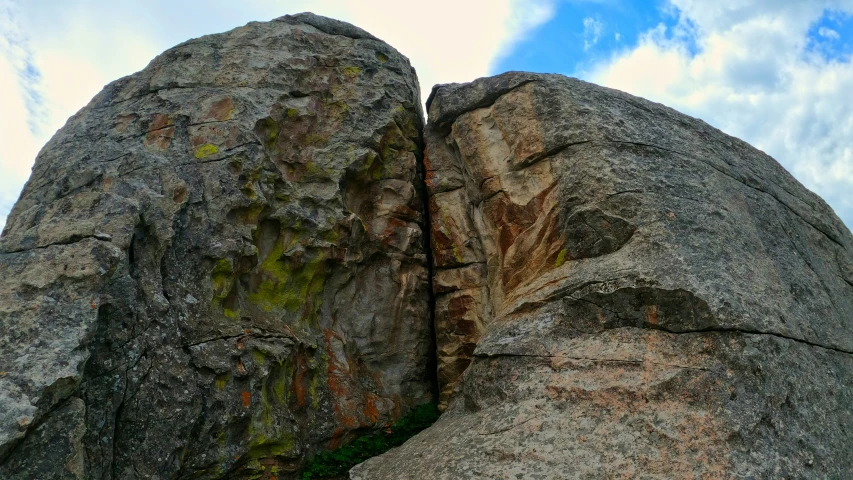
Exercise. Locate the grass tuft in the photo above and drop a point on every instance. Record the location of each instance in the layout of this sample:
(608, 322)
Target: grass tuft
(339, 462)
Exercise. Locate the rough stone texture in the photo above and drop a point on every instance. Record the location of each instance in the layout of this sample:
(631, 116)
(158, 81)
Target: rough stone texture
(629, 292)
(217, 266)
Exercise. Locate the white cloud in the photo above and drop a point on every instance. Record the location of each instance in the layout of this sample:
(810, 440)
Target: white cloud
(74, 47)
(592, 29)
(753, 75)
(828, 33)
(22, 115)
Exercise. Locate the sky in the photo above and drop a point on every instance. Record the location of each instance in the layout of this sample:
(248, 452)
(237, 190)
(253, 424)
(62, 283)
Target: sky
(775, 73)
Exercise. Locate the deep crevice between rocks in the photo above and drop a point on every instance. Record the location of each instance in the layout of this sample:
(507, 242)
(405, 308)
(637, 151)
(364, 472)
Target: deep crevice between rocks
(426, 228)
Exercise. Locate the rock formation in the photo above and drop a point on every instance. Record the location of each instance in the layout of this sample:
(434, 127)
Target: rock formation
(218, 269)
(624, 291)
(217, 266)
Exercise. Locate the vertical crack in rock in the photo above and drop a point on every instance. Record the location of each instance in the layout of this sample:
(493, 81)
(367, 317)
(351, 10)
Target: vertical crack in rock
(426, 229)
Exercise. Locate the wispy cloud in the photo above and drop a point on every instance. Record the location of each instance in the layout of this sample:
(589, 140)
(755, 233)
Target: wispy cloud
(592, 29)
(24, 110)
(753, 75)
(828, 33)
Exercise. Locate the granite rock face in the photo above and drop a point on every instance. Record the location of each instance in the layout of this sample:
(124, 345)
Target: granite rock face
(217, 267)
(623, 291)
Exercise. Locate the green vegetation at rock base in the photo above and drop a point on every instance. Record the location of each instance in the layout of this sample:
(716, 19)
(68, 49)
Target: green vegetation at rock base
(338, 462)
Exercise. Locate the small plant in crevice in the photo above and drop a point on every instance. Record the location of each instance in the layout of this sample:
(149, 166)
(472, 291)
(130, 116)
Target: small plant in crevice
(338, 462)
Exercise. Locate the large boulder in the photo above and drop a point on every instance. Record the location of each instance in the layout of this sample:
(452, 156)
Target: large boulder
(217, 266)
(623, 291)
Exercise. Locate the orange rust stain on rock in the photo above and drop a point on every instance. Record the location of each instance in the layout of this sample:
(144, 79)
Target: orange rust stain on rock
(370, 410)
(392, 231)
(339, 381)
(247, 399)
(160, 132)
(652, 314)
(221, 110)
(299, 387)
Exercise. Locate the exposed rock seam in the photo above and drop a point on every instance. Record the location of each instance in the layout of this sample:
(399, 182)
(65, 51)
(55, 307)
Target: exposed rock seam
(588, 359)
(514, 425)
(725, 329)
(69, 241)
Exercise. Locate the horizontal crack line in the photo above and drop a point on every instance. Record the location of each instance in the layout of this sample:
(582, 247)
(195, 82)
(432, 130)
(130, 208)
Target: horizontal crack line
(759, 332)
(514, 425)
(69, 241)
(715, 329)
(588, 359)
(243, 335)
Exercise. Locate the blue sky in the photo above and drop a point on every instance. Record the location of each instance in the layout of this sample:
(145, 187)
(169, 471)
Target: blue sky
(580, 33)
(775, 73)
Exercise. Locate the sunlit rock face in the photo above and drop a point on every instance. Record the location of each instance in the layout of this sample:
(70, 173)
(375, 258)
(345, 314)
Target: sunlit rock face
(623, 291)
(217, 267)
(253, 250)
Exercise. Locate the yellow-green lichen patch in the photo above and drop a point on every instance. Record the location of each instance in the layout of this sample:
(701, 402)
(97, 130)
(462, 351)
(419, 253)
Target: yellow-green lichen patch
(206, 150)
(561, 258)
(316, 139)
(221, 278)
(292, 112)
(221, 381)
(247, 215)
(267, 130)
(248, 189)
(317, 381)
(280, 385)
(457, 253)
(381, 57)
(232, 314)
(288, 283)
(259, 356)
(262, 447)
(351, 72)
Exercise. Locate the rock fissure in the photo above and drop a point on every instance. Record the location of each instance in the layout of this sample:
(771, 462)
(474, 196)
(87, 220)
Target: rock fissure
(592, 359)
(68, 241)
(515, 425)
(714, 329)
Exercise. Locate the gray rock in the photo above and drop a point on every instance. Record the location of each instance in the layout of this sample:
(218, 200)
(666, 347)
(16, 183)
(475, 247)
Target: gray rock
(624, 291)
(217, 268)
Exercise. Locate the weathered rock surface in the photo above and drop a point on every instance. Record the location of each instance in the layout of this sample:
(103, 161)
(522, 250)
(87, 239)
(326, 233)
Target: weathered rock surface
(623, 291)
(217, 266)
